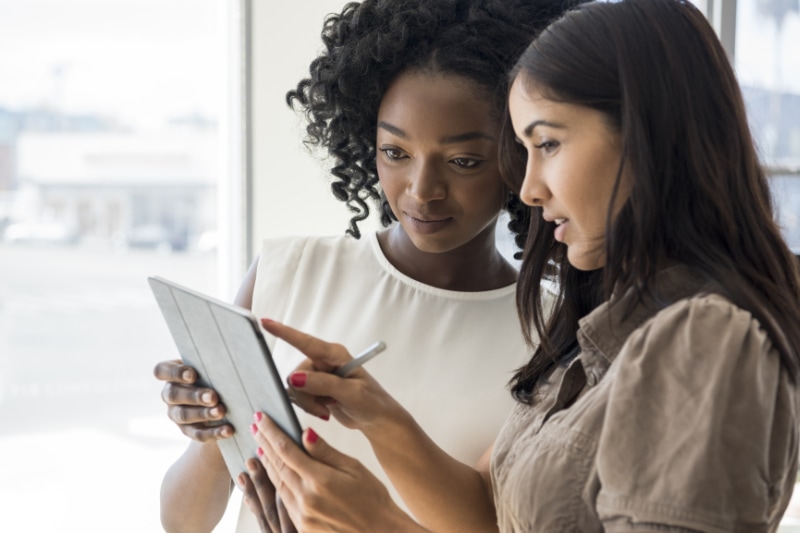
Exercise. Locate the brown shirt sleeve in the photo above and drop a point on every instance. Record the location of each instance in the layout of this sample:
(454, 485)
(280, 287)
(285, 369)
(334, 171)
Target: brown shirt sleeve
(700, 429)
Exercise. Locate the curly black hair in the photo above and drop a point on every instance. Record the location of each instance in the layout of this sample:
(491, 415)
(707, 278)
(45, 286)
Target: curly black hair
(370, 43)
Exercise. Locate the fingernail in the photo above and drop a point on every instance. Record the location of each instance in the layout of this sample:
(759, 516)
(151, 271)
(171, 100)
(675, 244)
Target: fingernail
(253, 429)
(215, 412)
(260, 452)
(311, 436)
(226, 432)
(257, 416)
(187, 375)
(326, 416)
(267, 321)
(206, 397)
(298, 379)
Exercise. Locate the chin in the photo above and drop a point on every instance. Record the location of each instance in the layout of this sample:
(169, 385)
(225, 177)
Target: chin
(434, 246)
(585, 261)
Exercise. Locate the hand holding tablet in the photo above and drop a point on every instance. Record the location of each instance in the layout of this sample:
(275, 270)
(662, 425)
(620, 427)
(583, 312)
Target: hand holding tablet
(225, 345)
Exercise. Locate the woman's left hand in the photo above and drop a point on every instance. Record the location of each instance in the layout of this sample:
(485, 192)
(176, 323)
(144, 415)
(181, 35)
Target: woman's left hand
(323, 489)
(260, 498)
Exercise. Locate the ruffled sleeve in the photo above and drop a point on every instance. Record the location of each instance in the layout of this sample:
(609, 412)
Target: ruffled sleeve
(700, 429)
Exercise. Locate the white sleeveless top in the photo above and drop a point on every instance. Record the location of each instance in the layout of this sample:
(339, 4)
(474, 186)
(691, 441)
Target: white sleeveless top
(449, 354)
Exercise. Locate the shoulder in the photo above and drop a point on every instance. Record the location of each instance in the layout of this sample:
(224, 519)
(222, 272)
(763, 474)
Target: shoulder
(308, 244)
(311, 265)
(290, 256)
(705, 330)
(700, 388)
(701, 347)
(701, 310)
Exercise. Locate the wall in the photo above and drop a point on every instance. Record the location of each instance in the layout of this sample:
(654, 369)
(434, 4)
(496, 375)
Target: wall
(291, 194)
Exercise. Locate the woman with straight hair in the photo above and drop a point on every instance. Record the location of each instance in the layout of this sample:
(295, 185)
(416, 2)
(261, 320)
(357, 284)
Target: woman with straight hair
(668, 400)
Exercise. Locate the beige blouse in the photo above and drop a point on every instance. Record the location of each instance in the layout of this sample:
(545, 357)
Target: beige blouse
(680, 419)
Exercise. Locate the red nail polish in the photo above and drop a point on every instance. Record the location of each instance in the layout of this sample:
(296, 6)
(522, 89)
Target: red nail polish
(311, 436)
(326, 417)
(260, 452)
(257, 416)
(253, 428)
(298, 379)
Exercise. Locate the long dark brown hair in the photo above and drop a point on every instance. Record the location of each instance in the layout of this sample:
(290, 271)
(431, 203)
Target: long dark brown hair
(700, 197)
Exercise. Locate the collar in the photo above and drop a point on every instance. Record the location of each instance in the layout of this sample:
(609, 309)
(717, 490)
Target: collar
(606, 329)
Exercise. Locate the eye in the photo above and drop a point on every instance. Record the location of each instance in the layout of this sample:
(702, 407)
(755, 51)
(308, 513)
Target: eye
(466, 162)
(547, 146)
(392, 154)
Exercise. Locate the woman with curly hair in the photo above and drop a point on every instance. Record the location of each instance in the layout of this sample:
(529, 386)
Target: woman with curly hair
(407, 99)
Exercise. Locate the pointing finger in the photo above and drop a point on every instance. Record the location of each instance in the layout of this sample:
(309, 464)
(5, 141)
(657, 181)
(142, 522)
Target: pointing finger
(325, 355)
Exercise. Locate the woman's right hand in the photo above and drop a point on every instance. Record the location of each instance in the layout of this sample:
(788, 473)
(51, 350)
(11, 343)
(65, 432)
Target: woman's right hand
(357, 401)
(323, 489)
(196, 410)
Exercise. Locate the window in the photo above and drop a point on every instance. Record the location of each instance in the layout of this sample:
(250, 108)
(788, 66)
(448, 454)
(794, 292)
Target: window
(111, 167)
(767, 34)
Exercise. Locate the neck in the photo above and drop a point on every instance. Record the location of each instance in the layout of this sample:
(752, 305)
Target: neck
(475, 266)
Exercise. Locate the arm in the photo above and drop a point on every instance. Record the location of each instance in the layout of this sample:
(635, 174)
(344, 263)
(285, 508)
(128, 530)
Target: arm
(196, 488)
(700, 429)
(441, 492)
(444, 494)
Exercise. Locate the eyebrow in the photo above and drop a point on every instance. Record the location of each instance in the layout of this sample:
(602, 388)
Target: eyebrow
(450, 139)
(529, 130)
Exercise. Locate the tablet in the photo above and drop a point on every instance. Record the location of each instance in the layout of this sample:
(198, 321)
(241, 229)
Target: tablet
(224, 344)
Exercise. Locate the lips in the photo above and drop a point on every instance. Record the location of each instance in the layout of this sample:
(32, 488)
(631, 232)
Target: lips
(427, 223)
(426, 219)
(561, 229)
(557, 220)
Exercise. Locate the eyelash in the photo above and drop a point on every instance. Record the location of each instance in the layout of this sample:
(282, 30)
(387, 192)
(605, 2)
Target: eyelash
(464, 163)
(392, 154)
(548, 146)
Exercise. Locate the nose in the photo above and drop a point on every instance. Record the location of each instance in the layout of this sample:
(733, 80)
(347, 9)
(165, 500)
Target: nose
(533, 192)
(425, 183)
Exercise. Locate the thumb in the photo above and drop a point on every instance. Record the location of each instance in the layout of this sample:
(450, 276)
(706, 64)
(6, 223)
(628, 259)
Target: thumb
(323, 452)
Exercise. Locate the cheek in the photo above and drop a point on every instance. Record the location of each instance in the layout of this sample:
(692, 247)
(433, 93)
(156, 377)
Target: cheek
(493, 184)
(488, 195)
(589, 206)
(389, 181)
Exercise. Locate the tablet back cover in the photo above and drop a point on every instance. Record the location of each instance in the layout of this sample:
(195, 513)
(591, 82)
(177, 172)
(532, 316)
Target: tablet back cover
(225, 345)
